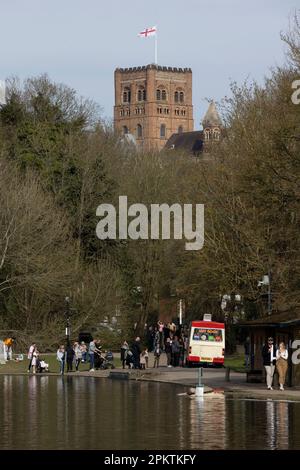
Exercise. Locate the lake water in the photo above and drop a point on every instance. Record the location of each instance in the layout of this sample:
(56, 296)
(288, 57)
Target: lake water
(44, 412)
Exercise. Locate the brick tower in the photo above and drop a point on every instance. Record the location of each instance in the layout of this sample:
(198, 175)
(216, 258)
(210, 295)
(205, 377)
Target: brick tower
(153, 102)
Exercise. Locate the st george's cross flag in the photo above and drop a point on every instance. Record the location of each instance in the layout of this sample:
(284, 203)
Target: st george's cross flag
(148, 32)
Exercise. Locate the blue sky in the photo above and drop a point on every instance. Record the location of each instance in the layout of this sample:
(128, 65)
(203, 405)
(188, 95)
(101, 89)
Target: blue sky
(81, 42)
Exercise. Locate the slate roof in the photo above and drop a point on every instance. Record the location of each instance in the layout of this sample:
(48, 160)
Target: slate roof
(192, 142)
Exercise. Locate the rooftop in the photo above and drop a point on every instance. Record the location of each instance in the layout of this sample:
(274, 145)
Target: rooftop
(279, 319)
(212, 117)
(161, 68)
(190, 141)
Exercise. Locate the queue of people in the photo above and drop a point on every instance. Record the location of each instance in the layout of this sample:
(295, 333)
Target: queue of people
(161, 338)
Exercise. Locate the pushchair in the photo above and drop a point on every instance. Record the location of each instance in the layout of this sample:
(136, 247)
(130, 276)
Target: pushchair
(129, 359)
(41, 366)
(107, 360)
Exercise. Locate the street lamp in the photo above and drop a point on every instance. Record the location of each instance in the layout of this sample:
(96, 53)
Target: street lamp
(67, 313)
(266, 281)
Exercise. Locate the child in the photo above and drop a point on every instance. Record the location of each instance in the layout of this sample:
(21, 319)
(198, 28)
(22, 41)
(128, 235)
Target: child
(143, 360)
(147, 358)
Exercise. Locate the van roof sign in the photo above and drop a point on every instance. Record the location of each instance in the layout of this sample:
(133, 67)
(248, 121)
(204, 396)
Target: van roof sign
(207, 317)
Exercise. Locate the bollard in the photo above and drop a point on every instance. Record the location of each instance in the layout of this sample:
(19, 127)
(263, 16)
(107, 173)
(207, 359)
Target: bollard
(200, 386)
(227, 374)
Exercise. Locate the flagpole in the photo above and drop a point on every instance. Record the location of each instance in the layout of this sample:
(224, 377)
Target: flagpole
(155, 48)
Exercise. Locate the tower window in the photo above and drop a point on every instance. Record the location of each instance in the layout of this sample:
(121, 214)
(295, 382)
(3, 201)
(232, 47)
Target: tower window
(141, 96)
(126, 95)
(207, 134)
(176, 96)
(162, 131)
(161, 94)
(181, 97)
(180, 130)
(125, 130)
(139, 131)
(216, 134)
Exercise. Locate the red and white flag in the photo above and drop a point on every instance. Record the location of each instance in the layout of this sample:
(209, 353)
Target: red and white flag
(148, 32)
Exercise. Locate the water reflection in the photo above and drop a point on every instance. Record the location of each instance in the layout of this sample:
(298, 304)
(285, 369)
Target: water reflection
(44, 412)
(206, 413)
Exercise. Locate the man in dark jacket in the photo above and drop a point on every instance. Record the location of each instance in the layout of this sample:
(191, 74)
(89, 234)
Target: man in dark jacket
(70, 357)
(136, 351)
(269, 361)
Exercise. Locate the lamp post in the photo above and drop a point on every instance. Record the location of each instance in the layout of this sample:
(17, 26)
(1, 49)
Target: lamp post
(266, 281)
(67, 313)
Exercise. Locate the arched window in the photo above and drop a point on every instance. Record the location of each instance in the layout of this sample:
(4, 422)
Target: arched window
(216, 134)
(181, 97)
(176, 96)
(125, 130)
(126, 95)
(139, 131)
(141, 96)
(180, 130)
(162, 131)
(207, 134)
(161, 94)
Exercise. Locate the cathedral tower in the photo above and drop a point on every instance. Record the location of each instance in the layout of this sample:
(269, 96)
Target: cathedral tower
(152, 103)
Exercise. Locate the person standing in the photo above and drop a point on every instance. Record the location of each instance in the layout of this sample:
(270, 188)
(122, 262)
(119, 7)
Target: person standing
(247, 351)
(8, 342)
(168, 351)
(282, 364)
(78, 355)
(136, 351)
(175, 351)
(143, 360)
(60, 355)
(35, 359)
(157, 353)
(70, 358)
(269, 361)
(124, 351)
(147, 358)
(83, 351)
(30, 355)
(92, 349)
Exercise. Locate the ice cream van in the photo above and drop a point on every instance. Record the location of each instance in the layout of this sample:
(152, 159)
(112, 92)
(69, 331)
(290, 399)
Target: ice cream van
(206, 343)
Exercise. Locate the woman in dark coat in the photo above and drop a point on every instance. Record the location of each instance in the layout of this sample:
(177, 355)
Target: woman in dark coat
(136, 351)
